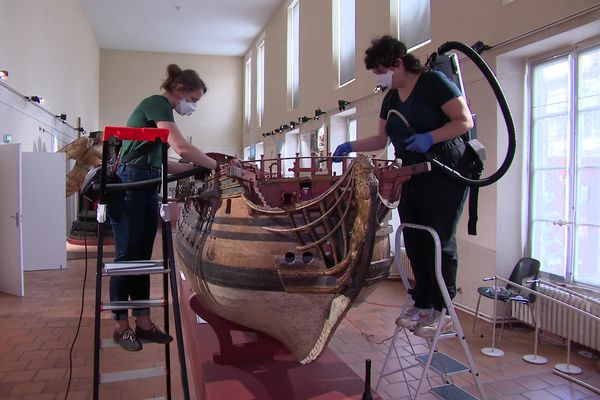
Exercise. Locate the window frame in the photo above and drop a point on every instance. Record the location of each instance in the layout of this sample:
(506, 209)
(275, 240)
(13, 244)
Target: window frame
(248, 91)
(573, 168)
(396, 24)
(338, 39)
(293, 54)
(260, 82)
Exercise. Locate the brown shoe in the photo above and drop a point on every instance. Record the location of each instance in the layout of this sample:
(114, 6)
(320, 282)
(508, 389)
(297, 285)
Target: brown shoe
(154, 334)
(127, 340)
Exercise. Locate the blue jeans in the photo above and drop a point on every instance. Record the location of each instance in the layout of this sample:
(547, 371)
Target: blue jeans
(134, 218)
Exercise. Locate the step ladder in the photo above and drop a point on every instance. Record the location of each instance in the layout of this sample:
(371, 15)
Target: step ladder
(402, 347)
(165, 267)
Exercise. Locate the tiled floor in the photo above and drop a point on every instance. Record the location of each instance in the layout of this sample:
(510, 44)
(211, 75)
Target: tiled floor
(37, 330)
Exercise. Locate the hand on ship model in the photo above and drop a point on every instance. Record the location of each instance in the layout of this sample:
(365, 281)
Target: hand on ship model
(342, 150)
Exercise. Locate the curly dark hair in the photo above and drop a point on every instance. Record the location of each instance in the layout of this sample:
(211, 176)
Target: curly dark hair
(385, 51)
(188, 78)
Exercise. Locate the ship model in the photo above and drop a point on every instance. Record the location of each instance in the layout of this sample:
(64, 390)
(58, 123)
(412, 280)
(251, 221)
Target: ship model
(288, 256)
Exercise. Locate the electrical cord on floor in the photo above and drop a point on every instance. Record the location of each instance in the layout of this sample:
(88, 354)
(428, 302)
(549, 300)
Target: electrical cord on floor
(368, 336)
(85, 204)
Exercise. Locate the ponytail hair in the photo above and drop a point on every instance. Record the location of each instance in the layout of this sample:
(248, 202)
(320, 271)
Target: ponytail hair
(188, 78)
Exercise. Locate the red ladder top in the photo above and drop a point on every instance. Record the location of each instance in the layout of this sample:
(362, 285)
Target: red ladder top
(138, 134)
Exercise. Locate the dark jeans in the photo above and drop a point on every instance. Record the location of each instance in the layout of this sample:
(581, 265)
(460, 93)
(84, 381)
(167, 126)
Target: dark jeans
(434, 200)
(134, 218)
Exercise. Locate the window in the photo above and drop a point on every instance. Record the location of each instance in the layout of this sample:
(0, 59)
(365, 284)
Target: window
(248, 91)
(260, 82)
(411, 22)
(293, 54)
(291, 147)
(564, 222)
(342, 128)
(259, 150)
(344, 34)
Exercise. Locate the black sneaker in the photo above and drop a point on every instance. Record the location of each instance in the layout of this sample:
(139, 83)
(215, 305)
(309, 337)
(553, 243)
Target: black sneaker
(154, 334)
(127, 340)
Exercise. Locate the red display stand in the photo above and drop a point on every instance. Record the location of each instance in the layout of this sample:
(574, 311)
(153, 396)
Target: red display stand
(229, 361)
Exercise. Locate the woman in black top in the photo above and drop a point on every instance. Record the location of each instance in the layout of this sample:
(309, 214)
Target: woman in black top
(437, 115)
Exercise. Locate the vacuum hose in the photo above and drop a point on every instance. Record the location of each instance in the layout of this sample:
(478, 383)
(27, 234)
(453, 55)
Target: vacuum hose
(510, 125)
(119, 187)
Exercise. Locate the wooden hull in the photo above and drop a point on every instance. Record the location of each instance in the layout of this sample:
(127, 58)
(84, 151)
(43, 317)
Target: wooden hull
(288, 273)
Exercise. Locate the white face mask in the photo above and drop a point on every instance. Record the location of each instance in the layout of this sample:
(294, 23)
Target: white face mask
(185, 107)
(385, 79)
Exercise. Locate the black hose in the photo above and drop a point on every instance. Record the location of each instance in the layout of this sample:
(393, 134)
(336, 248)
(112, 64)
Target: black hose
(508, 119)
(119, 187)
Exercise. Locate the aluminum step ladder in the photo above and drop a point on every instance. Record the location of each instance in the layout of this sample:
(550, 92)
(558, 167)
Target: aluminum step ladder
(402, 347)
(164, 267)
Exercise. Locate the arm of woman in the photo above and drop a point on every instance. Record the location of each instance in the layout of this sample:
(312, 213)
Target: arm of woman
(372, 143)
(177, 167)
(460, 117)
(184, 148)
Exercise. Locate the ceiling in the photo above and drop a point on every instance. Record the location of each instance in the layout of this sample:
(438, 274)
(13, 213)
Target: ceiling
(208, 27)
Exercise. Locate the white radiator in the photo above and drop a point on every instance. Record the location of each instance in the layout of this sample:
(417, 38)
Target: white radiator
(558, 319)
(404, 264)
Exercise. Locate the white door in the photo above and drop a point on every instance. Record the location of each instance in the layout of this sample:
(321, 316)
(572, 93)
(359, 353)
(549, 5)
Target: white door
(11, 261)
(44, 211)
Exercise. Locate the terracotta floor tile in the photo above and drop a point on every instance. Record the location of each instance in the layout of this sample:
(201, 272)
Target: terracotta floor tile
(540, 395)
(18, 376)
(41, 396)
(29, 388)
(50, 374)
(512, 397)
(5, 389)
(35, 355)
(567, 392)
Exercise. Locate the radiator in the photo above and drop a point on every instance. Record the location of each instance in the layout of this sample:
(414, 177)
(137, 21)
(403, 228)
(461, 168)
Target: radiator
(404, 264)
(557, 319)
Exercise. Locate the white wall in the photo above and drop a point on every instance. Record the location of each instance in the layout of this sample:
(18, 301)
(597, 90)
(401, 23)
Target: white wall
(49, 50)
(127, 77)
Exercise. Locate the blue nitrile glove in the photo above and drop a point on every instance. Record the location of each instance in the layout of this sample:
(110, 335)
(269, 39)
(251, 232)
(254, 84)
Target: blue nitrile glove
(342, 150)
(419, 142)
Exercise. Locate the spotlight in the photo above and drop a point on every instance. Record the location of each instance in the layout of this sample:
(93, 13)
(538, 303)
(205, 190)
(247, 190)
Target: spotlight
(379, 88)
(318, 113)
(342, 104)
(62, 117)
(264, 134)
(480, 47)
(36, 99)
(304, 119)
(293, 124)
(282, 127)
(3, 74)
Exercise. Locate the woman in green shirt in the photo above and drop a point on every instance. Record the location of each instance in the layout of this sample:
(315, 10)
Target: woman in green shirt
(134, 213)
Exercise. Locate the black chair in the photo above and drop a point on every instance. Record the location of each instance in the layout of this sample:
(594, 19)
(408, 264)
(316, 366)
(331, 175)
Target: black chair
(527, 269)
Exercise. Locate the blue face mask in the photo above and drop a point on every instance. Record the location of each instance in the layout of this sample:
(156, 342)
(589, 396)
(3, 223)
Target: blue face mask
(185, 107)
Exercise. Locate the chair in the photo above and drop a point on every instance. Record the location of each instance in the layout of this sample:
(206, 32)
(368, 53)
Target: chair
(526, 269)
